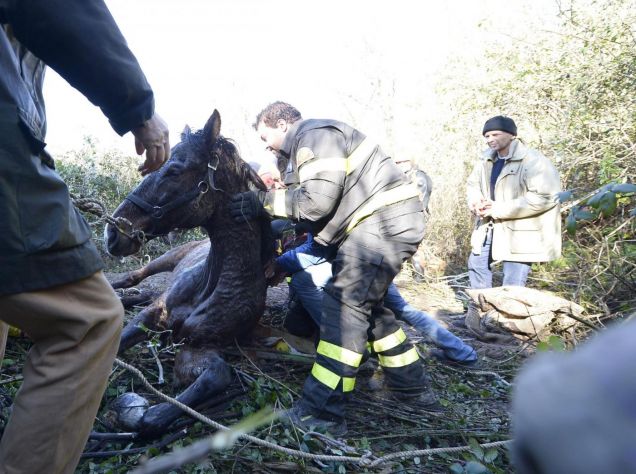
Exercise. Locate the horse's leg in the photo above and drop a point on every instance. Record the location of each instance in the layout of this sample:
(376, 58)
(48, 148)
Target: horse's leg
(165, 263)
(143, 298)
(214, 379)
(148, 318)
(230, 312)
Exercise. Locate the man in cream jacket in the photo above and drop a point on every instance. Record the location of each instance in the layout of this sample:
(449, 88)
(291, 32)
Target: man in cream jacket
(513, 193)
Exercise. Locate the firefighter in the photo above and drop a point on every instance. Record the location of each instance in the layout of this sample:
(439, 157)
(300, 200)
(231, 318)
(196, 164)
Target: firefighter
(355, 200)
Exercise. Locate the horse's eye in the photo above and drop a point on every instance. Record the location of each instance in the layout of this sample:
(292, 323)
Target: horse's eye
(173, 170)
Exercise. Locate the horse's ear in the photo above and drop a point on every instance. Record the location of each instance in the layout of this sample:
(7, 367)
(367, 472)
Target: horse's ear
(212, 128)
(186, 132)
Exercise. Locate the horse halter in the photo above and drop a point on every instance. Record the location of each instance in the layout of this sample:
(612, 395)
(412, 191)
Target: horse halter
(157, 212)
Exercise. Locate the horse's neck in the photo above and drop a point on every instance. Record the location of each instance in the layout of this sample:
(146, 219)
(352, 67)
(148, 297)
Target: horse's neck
(234, 249)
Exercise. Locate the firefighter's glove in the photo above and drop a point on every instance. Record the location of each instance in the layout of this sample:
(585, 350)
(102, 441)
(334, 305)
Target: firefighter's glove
(247, 206)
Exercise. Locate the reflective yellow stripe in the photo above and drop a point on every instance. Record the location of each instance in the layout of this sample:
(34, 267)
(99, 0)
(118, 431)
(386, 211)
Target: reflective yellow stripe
(369, 347)
(279, 208)
(361, 153)
(399, 360)
(390, 341)
(312, 168)
(326, 376)
(348, 383)
(339, 353)
(401, 193)
(348, 165)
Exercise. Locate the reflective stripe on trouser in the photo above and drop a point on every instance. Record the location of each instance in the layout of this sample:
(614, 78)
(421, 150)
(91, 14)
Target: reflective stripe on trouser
(353, 314)
(400, 363)
(394, 351)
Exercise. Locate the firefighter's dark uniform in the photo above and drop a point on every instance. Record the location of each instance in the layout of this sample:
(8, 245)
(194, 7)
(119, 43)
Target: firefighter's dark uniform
(357, 199)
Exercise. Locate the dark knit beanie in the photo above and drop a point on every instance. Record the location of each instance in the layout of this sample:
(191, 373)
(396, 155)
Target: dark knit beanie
(501, 123)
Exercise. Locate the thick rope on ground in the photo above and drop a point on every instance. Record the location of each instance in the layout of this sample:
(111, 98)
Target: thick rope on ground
(367, 460)
(426, 452)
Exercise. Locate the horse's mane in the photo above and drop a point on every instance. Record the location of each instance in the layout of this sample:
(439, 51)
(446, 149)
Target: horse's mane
(234, 165)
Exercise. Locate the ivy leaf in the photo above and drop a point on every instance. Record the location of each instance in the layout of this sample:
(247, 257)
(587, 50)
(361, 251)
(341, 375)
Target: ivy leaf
(570, 224)
(456, 468)
(474, 467)
(477, 450)
(556, 343)
(607, 204)
(491, 455)
(624, 188)
(595, 200)
(583, 214)
(565, 196)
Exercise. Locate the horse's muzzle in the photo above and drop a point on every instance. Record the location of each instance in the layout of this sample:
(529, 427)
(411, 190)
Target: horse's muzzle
(119, 244)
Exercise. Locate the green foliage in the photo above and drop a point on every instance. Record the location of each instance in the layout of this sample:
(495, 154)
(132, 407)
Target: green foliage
(572, 92)
(108, 177)
(554, 343)
(478, 460)
(603, 203)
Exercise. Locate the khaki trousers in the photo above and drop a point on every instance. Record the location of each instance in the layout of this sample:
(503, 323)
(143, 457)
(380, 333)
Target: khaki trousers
(75, 330)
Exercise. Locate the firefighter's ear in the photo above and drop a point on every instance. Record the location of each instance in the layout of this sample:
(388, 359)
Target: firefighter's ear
(281, 124)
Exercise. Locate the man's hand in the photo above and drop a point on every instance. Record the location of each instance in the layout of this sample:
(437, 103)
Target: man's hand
(153, 138)
(481, 207)
(485, 208)
(273, 273)
(247, 206)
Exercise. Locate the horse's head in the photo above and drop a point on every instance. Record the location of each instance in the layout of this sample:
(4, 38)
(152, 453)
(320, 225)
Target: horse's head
(204, 170)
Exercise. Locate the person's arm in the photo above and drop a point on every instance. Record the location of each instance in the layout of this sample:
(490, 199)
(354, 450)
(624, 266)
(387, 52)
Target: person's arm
(80, 40)
(542, 188)
(152, 137)
(474, 195)
(321, 157)
(307, 254)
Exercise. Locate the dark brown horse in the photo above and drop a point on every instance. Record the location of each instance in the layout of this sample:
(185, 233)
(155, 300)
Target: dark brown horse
(211, 299)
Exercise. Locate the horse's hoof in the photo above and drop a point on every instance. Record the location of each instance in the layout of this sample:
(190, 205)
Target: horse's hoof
(129, 409)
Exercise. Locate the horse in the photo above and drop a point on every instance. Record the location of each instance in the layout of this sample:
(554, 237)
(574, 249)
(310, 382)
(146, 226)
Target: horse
(213, 299)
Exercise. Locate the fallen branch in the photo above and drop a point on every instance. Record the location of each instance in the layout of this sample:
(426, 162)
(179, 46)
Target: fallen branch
(124, 452)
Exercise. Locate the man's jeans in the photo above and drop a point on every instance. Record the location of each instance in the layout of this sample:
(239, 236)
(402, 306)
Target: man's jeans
(480, 274)
(308, 286)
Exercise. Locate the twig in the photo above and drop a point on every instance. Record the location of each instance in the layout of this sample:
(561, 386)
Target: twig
(263, 373)
(275, 355)
(112, 436)
(153, 351)
(581, 320)
(11, 380)
(143, 449)
(222, 439)
(619, 227)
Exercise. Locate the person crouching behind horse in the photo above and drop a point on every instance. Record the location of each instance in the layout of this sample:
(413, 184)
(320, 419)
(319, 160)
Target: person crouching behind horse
(357, 201)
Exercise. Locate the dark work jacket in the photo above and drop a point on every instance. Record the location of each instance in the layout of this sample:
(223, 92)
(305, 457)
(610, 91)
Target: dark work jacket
(44, 241)
(333, 172)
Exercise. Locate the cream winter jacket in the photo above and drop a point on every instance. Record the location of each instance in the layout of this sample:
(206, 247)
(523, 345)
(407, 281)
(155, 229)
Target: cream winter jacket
(526, 215)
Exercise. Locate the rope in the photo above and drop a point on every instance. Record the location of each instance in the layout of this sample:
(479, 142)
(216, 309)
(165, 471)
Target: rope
(123, 226)
(90, 205)
(426, 452)
(365, 460)
(214, 424)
